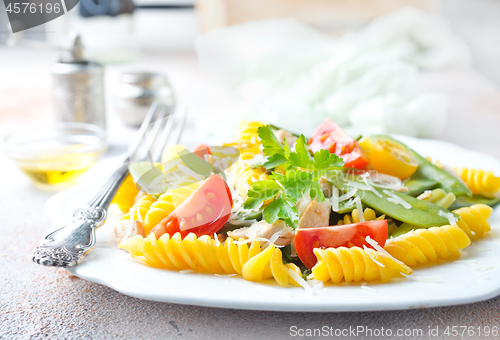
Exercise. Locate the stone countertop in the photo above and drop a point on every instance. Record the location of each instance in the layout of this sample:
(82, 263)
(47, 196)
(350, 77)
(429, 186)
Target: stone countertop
(39, 302)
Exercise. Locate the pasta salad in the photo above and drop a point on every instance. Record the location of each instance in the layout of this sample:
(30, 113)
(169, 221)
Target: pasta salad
(302, 211)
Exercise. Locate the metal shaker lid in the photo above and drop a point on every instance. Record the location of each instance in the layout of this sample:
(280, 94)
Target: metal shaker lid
(73, 51)
(71, 59)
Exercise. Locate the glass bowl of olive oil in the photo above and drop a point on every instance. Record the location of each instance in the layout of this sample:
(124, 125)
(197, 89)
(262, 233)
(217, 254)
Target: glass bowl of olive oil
(56, 155)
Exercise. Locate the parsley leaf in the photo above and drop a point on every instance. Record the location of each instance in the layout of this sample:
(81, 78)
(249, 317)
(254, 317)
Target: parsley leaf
(261, 191)
(281, 208)
(273, 149)
(295, 183)
(302, 177)
(323, 160)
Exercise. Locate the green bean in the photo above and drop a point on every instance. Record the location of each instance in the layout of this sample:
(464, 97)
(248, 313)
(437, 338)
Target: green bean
(421, 213)
(476, 199)
(439, 197)
(426, 170)
(416, 186)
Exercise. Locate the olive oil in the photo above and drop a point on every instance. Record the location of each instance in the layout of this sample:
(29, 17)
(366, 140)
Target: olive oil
(54, 176)
(53, 169)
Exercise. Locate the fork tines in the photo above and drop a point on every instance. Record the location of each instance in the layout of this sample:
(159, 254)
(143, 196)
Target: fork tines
(163, 124)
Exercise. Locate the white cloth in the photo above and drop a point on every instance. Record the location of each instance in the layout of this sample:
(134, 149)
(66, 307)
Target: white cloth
(295, 77)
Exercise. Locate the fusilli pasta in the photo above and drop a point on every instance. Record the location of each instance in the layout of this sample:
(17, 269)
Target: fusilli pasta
(165, 204)
(423, 245)
(480, 182)
(204, 254)
(142, 205)
(355, 264)
(474, 219)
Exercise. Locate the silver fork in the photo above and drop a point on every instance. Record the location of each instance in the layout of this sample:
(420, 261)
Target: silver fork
(67, 246)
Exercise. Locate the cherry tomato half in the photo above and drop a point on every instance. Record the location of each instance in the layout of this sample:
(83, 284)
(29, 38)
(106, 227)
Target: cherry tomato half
(331, 137)
(348, 235)
(203, 213)
(391, 159)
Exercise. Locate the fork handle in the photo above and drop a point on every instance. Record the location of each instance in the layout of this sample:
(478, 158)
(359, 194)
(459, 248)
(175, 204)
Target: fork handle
(68, 245)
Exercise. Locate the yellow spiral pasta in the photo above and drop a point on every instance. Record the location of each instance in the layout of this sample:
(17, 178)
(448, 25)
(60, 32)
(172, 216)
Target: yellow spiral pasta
(480, 182)
(247, 132)
(247, 140)
(244, 176)
(165, 204)
(355, 264)
(353, 217)
(474, 219)
(248, 144)
(424, 245)
(204, 254)
(142, 205)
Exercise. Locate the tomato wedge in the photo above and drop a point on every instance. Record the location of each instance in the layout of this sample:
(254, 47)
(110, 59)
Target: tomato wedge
(202, 150)
(204, 212)
(348, 235)
(331, 137)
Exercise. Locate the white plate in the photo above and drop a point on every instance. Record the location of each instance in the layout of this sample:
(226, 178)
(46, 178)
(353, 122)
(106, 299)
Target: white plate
(474, 278)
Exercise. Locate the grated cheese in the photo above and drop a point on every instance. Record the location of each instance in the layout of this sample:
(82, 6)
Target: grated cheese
(348, 194)
(315, 284)
(187, 271)
(139, 214)
(396, 199)
(216, 238)
(277, 235)
(359, 207)
(434, 279)
(300, 281)
(451, 218)
(190, 172)
(225, 275)
(483, 278)
(372, 257)
(335, 199)
(482, 268)
(385, 181)
(369, 290)
(381, 250)
(372, 189)
(465, 261)
(350, 202)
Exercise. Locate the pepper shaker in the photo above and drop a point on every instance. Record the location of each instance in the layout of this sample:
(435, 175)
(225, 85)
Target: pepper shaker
(78, 86)
(136, 91)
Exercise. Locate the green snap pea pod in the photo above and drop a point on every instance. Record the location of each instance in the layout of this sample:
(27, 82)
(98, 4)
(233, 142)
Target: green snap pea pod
(346, 207)
(439, 197)
(476, 199)
(421, 213)
(427, 170)
(416, 186)
(405, 228)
